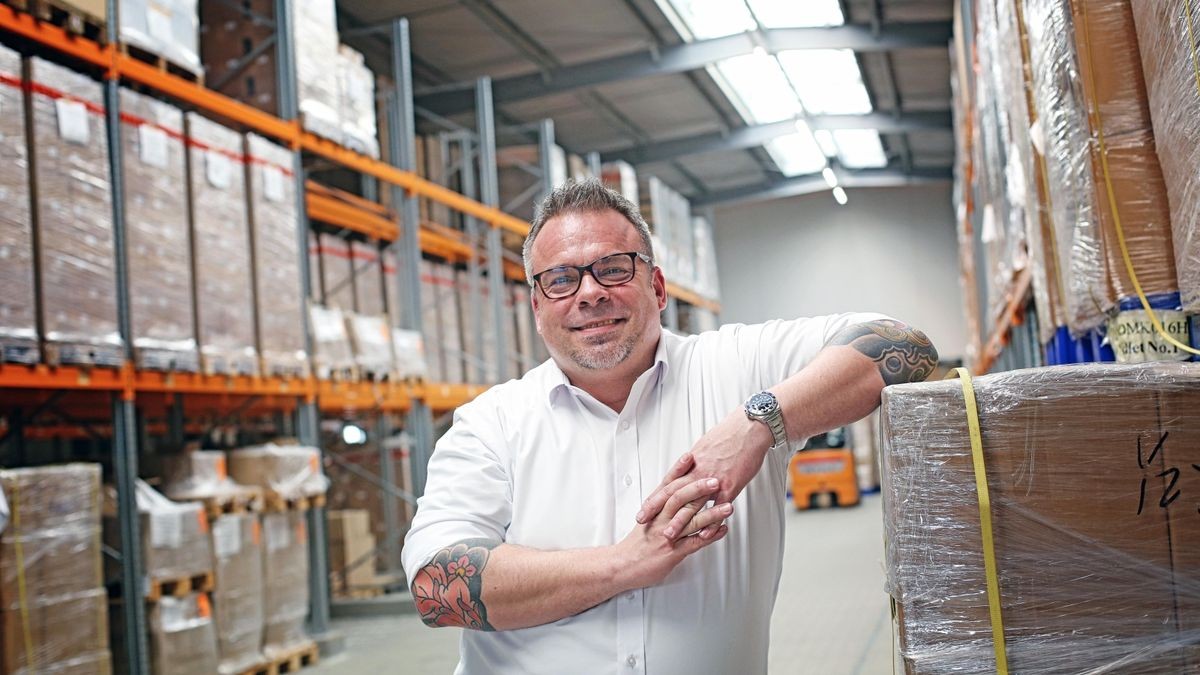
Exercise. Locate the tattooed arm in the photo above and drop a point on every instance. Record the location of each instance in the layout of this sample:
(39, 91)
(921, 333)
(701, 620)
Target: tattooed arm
(841, 385)
(483, 584)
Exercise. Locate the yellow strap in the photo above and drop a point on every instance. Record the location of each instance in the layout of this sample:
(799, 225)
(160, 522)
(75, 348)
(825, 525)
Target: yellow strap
(15, 506)
(985, 519)
(1112, 198)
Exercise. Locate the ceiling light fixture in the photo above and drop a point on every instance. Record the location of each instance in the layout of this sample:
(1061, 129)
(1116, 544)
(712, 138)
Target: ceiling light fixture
(840, 195)
(830, 177)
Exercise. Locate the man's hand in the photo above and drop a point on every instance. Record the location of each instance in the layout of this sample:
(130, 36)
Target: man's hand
(649, 556)
(732, 452)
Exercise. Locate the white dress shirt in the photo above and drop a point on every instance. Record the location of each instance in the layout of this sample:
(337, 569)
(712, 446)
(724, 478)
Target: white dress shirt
(541, 463)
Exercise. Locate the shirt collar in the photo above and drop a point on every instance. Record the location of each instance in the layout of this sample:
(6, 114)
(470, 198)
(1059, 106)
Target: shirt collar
(557, 383)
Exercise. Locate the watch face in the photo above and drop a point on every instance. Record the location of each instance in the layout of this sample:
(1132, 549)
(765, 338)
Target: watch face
(761, 403)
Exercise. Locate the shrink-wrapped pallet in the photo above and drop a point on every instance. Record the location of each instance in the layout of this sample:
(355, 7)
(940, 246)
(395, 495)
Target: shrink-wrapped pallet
(372, 340)
(1166, 38)
(274, 226)
(450, 329)
(285, 572)
(337, 270)
(315, 289)
(314, 23)
(203, 475)
(478, 330)
(368, 278)
(18, 304)
(176, 544)
(53, 605)
(221, 248)
(431, 322)
(409, 349)
(334, 353)
(237, 596)
(356, 96)
(527, 337)
(73, 215)
(156, 231)
(183, 636)
(167, 28)
(1090, 472)
(284, 471)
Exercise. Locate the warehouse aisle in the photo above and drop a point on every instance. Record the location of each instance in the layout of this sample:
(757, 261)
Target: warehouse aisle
(831, 617)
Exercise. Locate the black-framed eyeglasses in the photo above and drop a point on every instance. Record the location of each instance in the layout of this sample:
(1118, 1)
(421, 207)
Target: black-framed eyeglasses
(611, 270)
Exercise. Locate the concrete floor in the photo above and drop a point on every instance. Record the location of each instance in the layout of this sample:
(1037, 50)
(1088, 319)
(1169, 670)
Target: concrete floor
(831, 618)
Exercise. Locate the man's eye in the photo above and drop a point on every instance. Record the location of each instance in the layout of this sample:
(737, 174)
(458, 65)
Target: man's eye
(561, 280)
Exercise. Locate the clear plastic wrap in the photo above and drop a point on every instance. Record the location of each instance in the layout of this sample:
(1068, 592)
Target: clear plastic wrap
(286, 471)
(74, 218)
(391, 286)
(237, 596)
(157, 238)
(1165, 39)
(331, 342)
(221, 236)
(203, 475)
(372, 340)
(409, 349)
(1093, 488)
(314, 26)
(168, 28)
(622, 177)
(478, 361)
(314, 268)
(18, 304)
(357, 99)
(53, 605)
(431, 321)
(337, 272)
(368, 278)
(176, 543)
(183, 638)
(1062, 136)
(276, 258)
(285, 554)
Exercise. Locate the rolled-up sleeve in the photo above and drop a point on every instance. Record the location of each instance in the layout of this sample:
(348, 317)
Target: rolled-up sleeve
(468, 491)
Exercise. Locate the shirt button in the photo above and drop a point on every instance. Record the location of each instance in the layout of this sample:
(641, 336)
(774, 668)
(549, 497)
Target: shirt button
(628, 480)
(625, 425)
(629, 596)
(631, 661)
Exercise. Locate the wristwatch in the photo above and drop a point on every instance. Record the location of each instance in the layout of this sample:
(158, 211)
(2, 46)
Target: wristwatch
(763, 407)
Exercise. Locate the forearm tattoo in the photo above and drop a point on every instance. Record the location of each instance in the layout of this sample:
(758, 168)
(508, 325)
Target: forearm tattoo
(447, 590)
(904, 354)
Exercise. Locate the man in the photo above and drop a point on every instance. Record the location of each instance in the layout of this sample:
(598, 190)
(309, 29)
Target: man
(532, 533)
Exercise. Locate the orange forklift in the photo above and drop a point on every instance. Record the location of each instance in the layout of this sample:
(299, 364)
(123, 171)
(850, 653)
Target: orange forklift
(823, 474)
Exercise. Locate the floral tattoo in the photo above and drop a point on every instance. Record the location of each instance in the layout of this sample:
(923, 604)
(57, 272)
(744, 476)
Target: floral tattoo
(447, 590)
(904, 354)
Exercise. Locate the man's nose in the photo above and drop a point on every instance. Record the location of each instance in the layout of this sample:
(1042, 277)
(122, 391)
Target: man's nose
(591, 291)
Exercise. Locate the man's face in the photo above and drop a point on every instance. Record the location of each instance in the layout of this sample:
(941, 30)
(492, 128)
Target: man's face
(600, 327)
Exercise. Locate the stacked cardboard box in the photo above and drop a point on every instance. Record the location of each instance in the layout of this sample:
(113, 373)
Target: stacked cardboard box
(356, 97)
(285, 571)
(183, 637)
(337, 272)
(1093, 490)
(280, 310)
(168, 28)
(53, 605)
(478, 330)
(156, 227)
(284, 471)
(334, 354)
(224, 295)
(368, 278)
(351, 550)
(237, 595)
(350, 492)
(315, 290)
(176, 542)
(203, 475)
(1166, 38)
(431, 321)
(372, 340)
(18, 304)
(73, 216)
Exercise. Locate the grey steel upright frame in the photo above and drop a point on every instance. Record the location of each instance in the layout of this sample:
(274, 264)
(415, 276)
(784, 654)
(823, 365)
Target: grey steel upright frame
(124, 448)
(402, 155)
(306, 411)
(489, 192)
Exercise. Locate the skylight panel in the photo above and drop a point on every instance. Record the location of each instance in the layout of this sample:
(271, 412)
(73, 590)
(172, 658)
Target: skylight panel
(797, 13)
(860, 148)
(828, 80)
(764, 90)
(796, 154)
(713, 18)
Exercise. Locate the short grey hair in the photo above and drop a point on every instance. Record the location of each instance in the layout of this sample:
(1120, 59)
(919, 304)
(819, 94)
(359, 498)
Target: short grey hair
(584, 196)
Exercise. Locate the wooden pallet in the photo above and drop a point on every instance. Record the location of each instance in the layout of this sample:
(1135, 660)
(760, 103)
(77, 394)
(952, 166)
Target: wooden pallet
(361, 593)
(288, 661)
(72, 19)
(161, 62)
(178, 588)
(276, 503)
(248, 501)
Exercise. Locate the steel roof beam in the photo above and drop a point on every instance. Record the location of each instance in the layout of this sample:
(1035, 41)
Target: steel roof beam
(803, 185)
(687, 57)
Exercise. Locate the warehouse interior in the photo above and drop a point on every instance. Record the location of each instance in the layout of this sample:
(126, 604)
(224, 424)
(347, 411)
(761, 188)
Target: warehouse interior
(255, 254)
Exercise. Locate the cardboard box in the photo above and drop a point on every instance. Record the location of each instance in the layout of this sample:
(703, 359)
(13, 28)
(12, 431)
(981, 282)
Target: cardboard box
(450, 331)
(73, 216)
(349, 493)
(183, 638)
(351, 544)
(286, 471)
(158, 242)
(1110, 67)
(285, 570)
(176, 542)
(431, 322)
(66, 633)
(238, 594)
(168, 28)
(337, 272)
(1086, 518)
(368, 278)
(221, 248)
(280, 303)
(18, 304)
(1164, 41)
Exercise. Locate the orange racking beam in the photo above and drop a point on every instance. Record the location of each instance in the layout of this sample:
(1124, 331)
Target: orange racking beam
(693, 298)
(18, 376)
(444, 397)
(1012, 315)
(343, 214)
(347, 397)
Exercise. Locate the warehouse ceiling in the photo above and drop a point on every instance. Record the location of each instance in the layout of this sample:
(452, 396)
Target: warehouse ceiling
(695, 101)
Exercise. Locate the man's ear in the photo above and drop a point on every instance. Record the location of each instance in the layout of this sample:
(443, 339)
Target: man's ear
(659, 282)
(534, 302)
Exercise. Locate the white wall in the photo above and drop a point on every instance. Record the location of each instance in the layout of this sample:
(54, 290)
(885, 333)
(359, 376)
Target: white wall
(891, 250)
